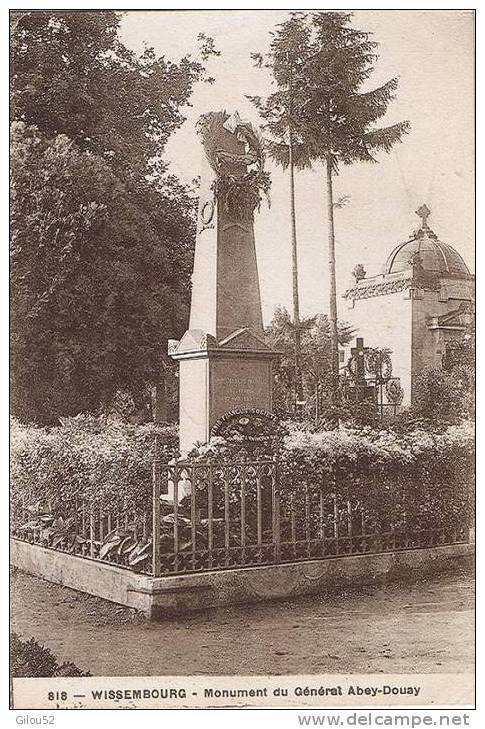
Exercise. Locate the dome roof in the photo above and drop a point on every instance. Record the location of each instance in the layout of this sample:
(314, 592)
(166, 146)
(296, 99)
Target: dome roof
(435, 256)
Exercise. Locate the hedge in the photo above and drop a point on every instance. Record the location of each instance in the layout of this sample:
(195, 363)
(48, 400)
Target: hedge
(87, 457)
(427, 475)
(111, 462)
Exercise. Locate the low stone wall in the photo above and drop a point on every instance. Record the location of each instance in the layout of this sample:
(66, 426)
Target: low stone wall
(81, 573)
(163, 596)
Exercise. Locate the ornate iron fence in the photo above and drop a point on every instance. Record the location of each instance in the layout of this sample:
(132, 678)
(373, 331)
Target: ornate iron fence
(118, 533)
(229, 516)
(220, 514)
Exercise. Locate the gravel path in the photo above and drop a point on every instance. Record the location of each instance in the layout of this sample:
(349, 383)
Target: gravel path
(419, 628)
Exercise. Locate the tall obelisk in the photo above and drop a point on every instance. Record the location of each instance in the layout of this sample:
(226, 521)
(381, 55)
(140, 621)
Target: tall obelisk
(224, 362)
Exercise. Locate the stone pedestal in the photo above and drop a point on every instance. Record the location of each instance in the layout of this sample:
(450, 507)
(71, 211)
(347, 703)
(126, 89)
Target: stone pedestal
(217, 379)
(224, 362)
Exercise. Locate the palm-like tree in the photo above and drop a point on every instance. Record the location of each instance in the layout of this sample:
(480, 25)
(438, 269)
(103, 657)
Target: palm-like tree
(286, 145)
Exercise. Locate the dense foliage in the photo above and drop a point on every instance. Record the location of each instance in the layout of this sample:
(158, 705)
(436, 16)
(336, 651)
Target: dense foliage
(109, 463)
(73, 76)
(102, 237)
(93, 290)
(29, 659)
(61, 477)
(428, 475)
(93, 458)
(441, 396)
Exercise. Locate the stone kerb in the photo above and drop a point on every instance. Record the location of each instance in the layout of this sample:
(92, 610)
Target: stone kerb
(175, 594)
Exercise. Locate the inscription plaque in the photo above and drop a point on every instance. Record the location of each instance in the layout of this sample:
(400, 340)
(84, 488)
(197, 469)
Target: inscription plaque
(244, 383)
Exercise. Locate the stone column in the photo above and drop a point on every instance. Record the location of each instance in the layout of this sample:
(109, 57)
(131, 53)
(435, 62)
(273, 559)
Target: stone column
(223, 359)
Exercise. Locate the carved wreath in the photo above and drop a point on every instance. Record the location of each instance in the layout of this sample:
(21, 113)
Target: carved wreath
(394, 391)
(248, 428)
(378, 364)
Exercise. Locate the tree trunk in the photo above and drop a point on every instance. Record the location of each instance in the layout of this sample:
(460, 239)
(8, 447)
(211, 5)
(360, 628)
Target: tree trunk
(159, 404)
(294, 251)
(317, 402)
(294, 261)
(332, 279)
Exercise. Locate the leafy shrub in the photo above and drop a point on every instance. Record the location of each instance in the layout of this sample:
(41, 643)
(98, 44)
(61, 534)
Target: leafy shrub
(94, 458)
(88, 465)
(428, 475)
(441, 396)
(29, 659)
(352, 413)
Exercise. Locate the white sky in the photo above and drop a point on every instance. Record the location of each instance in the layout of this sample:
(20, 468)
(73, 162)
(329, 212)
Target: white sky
(432, 53)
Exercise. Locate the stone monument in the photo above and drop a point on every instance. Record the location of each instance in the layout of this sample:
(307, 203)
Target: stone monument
(224, 363)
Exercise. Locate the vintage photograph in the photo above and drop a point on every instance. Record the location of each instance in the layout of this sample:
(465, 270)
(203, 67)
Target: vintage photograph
(242, 358)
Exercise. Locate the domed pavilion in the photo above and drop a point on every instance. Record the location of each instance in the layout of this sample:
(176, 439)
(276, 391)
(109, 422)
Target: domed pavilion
(423, 297)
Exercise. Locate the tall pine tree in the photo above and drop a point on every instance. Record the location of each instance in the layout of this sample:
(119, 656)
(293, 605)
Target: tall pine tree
(340, 118)
(319, 112)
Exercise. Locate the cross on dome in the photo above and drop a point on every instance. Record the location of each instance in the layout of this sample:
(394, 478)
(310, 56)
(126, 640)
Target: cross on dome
(436, 256)
(423, 212)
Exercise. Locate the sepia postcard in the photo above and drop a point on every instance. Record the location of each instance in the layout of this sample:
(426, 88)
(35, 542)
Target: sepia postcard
(242, 359)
